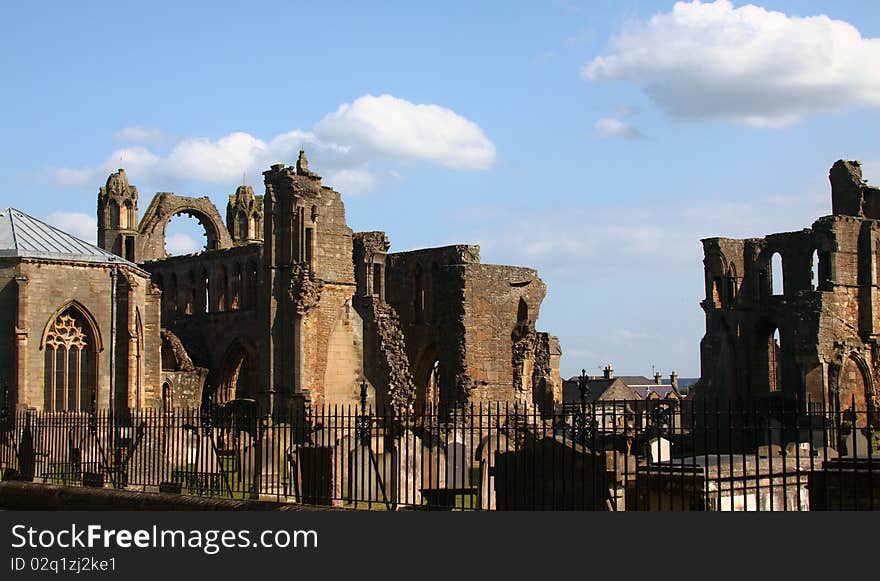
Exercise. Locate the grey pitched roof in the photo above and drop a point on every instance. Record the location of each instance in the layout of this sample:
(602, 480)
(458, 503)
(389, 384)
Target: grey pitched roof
(24, 236)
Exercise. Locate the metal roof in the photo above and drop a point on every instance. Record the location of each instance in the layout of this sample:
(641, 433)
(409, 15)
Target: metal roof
(24, 236)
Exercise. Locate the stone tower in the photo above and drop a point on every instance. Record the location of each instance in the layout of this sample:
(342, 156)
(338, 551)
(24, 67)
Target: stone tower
(314, 337)
(117, 217)
(244, 215)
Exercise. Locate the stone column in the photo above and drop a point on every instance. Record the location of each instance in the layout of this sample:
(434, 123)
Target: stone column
(20, 395)
(134, 397)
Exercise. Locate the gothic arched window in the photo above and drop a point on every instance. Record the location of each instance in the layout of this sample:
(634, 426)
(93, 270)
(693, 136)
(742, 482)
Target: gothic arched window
(69, 380)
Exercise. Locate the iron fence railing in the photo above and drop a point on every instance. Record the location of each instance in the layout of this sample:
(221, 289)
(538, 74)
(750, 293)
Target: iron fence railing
(606, 455)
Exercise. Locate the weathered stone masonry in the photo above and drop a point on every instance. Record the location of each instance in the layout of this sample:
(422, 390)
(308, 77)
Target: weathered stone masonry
(286, 305)
(826, 311)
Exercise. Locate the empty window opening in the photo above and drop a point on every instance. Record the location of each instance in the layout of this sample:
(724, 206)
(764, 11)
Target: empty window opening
(310, 235)
(775, 353)
(206, 295)
(776, 275)
(522, 312)
(377, 280)
(184, 234)
(129, 248)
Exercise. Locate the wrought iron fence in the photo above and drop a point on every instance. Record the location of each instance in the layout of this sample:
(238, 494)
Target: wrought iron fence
(607, 455)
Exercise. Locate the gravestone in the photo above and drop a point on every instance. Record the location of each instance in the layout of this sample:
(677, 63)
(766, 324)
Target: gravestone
(659, 450)
(273, 459)
(181, 447)
(458, 463)
(797, 450)
(551, 474)
(148, 465)
(404, 480)
(433, 466)
(318, 479)
(91, 454)
(771, 450)
(855, 445)
(363, 474)
(486, 454)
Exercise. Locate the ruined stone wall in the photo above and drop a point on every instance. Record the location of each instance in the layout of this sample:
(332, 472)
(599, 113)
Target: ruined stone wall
(500, 337)
(426, 289)
(211, 322)
(309, 289)
(826, 320)
(476, 321)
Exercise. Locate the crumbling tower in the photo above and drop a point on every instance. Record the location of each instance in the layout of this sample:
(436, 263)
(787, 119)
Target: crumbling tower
(117, 217)
(244, 215)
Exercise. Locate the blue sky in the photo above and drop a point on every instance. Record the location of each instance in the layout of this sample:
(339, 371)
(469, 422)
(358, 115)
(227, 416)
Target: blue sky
(596, 141)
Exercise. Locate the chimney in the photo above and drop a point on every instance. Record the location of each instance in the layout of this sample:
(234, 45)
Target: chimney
(658, 378)
(673, 380)
(609, 371)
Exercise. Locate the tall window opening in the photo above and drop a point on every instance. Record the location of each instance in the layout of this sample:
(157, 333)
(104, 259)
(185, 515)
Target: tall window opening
(776, 275)
(251, 292)
(775, 349)
(125, 215)
(243, 226)
(206, 292)
(191, 295)
(377, 280)
(222, 286)
(129, 248)
(114, 214)
(235, 299)
(69, 379)
(310, 238)
(522, 312)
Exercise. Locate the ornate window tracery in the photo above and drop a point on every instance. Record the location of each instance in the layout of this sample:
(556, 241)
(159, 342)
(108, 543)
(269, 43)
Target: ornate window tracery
(69, 378)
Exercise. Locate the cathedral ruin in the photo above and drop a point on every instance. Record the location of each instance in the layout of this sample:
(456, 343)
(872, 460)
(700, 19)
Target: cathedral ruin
(286, 305)
(794, 316)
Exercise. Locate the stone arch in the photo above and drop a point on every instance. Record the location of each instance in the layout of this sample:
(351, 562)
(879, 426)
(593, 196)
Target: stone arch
(167, 205)
(731, 290)
(715, 267)
(71, 343)
(426, 378)
(238, 376)
(87, 317)
(766, 368)
(854, 388)
(236, 288)
(522, 312)
(167, 396)
(344, 369)
(777, 274)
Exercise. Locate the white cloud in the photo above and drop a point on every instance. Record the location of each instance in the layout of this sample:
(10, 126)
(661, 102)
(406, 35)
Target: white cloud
(178, 244)
(612, 128)
(342, 146)
(76, 224)
(391, 127)
(139, 134)
(746, 64)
